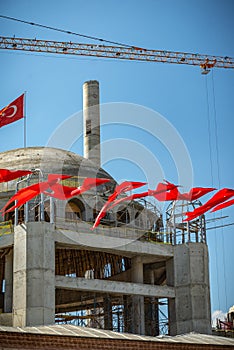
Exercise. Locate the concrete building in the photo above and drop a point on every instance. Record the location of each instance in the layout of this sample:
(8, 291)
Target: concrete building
(53, 268)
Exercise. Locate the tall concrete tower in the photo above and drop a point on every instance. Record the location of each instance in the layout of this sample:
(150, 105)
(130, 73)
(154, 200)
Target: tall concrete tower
(91, 117)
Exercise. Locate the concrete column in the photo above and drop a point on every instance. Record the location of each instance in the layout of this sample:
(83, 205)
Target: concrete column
(107, 308)
(127, 313)
(8, 282)
(88, 212)
(33, 275)
(151, 308)
(91, 117)
(151, 317)
(138, 310)
(189, 273)
(52, 210)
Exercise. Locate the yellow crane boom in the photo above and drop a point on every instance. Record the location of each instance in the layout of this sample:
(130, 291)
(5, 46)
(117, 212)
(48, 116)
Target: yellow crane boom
(117, 52)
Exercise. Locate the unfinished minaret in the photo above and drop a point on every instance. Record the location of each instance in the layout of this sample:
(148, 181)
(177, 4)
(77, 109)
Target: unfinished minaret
(91, 117)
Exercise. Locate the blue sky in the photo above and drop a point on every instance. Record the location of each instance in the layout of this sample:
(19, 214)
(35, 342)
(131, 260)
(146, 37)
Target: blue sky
(178, 92)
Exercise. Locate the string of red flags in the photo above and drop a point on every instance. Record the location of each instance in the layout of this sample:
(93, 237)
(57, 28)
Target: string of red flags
(165, 191)
(63, 192)
(12, 112)
(52, 184)
(29, 192)
(125, 186)
(220, 197)
(161, 188)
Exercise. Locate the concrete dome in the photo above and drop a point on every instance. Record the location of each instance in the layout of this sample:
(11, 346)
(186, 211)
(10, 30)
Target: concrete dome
(50, 160)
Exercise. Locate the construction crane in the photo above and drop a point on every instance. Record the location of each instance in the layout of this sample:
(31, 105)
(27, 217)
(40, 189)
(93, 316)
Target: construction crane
(205, 62)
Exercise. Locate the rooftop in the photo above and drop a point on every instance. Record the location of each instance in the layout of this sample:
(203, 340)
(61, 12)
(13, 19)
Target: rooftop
(75, 331)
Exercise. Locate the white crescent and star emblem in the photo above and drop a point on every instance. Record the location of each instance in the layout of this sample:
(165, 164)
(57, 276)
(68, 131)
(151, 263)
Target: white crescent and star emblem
(3, 114)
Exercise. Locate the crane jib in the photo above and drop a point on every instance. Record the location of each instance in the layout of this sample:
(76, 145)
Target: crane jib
(117, 52)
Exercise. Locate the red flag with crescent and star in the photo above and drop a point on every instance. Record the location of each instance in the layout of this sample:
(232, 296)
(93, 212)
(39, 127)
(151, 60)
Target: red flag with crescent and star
(12, 112)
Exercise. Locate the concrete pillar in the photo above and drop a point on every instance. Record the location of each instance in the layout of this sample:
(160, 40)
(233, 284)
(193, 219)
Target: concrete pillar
(91, 117)
(107, 308)
(127, 313)
(8, 282)
(151, 317)
(88, 212)
(151, 308)
(33, 275)
(188, 272)
(138, 310)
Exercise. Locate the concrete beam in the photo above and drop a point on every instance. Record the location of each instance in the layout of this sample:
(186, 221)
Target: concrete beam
(81, 237)
(155, 266)
(102, 286)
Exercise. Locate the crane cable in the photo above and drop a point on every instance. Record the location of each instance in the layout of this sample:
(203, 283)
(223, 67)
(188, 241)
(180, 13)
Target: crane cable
(209, 132)
(219, 181)
(66, 31)
(219, 184)
(212, 184)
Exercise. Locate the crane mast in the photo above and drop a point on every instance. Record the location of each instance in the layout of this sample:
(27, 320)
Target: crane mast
(117, 52)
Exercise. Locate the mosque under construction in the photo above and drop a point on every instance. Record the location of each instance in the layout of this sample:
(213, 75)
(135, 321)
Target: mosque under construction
(135, 273)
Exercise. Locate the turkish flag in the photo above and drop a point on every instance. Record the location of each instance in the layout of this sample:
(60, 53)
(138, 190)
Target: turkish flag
(14, 111)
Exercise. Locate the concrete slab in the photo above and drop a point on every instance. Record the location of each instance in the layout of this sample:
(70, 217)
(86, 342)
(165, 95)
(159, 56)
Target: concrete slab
(95, 285)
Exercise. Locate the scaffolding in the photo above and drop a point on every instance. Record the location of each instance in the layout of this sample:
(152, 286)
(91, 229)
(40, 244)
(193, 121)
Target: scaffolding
(177, 230)
(115, 312)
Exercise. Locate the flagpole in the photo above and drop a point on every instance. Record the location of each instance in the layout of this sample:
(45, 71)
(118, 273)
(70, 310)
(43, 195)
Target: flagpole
(25, 119)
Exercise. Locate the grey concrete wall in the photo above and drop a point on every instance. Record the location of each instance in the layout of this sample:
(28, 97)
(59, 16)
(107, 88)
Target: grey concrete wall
(188, 271)
(33, 275)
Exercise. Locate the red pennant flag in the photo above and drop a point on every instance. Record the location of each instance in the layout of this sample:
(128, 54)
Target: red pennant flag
(23, 195)
(223, 205)
(12, 112)
(196, 193)
(60, 191)
(172, 195)
(128, 198)
(161, 188)
(125, 186)
(89, 183)
(65, 192)
(8, 175)
(167, 186)
(221, 196)
(29, 192)
(192, 195)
